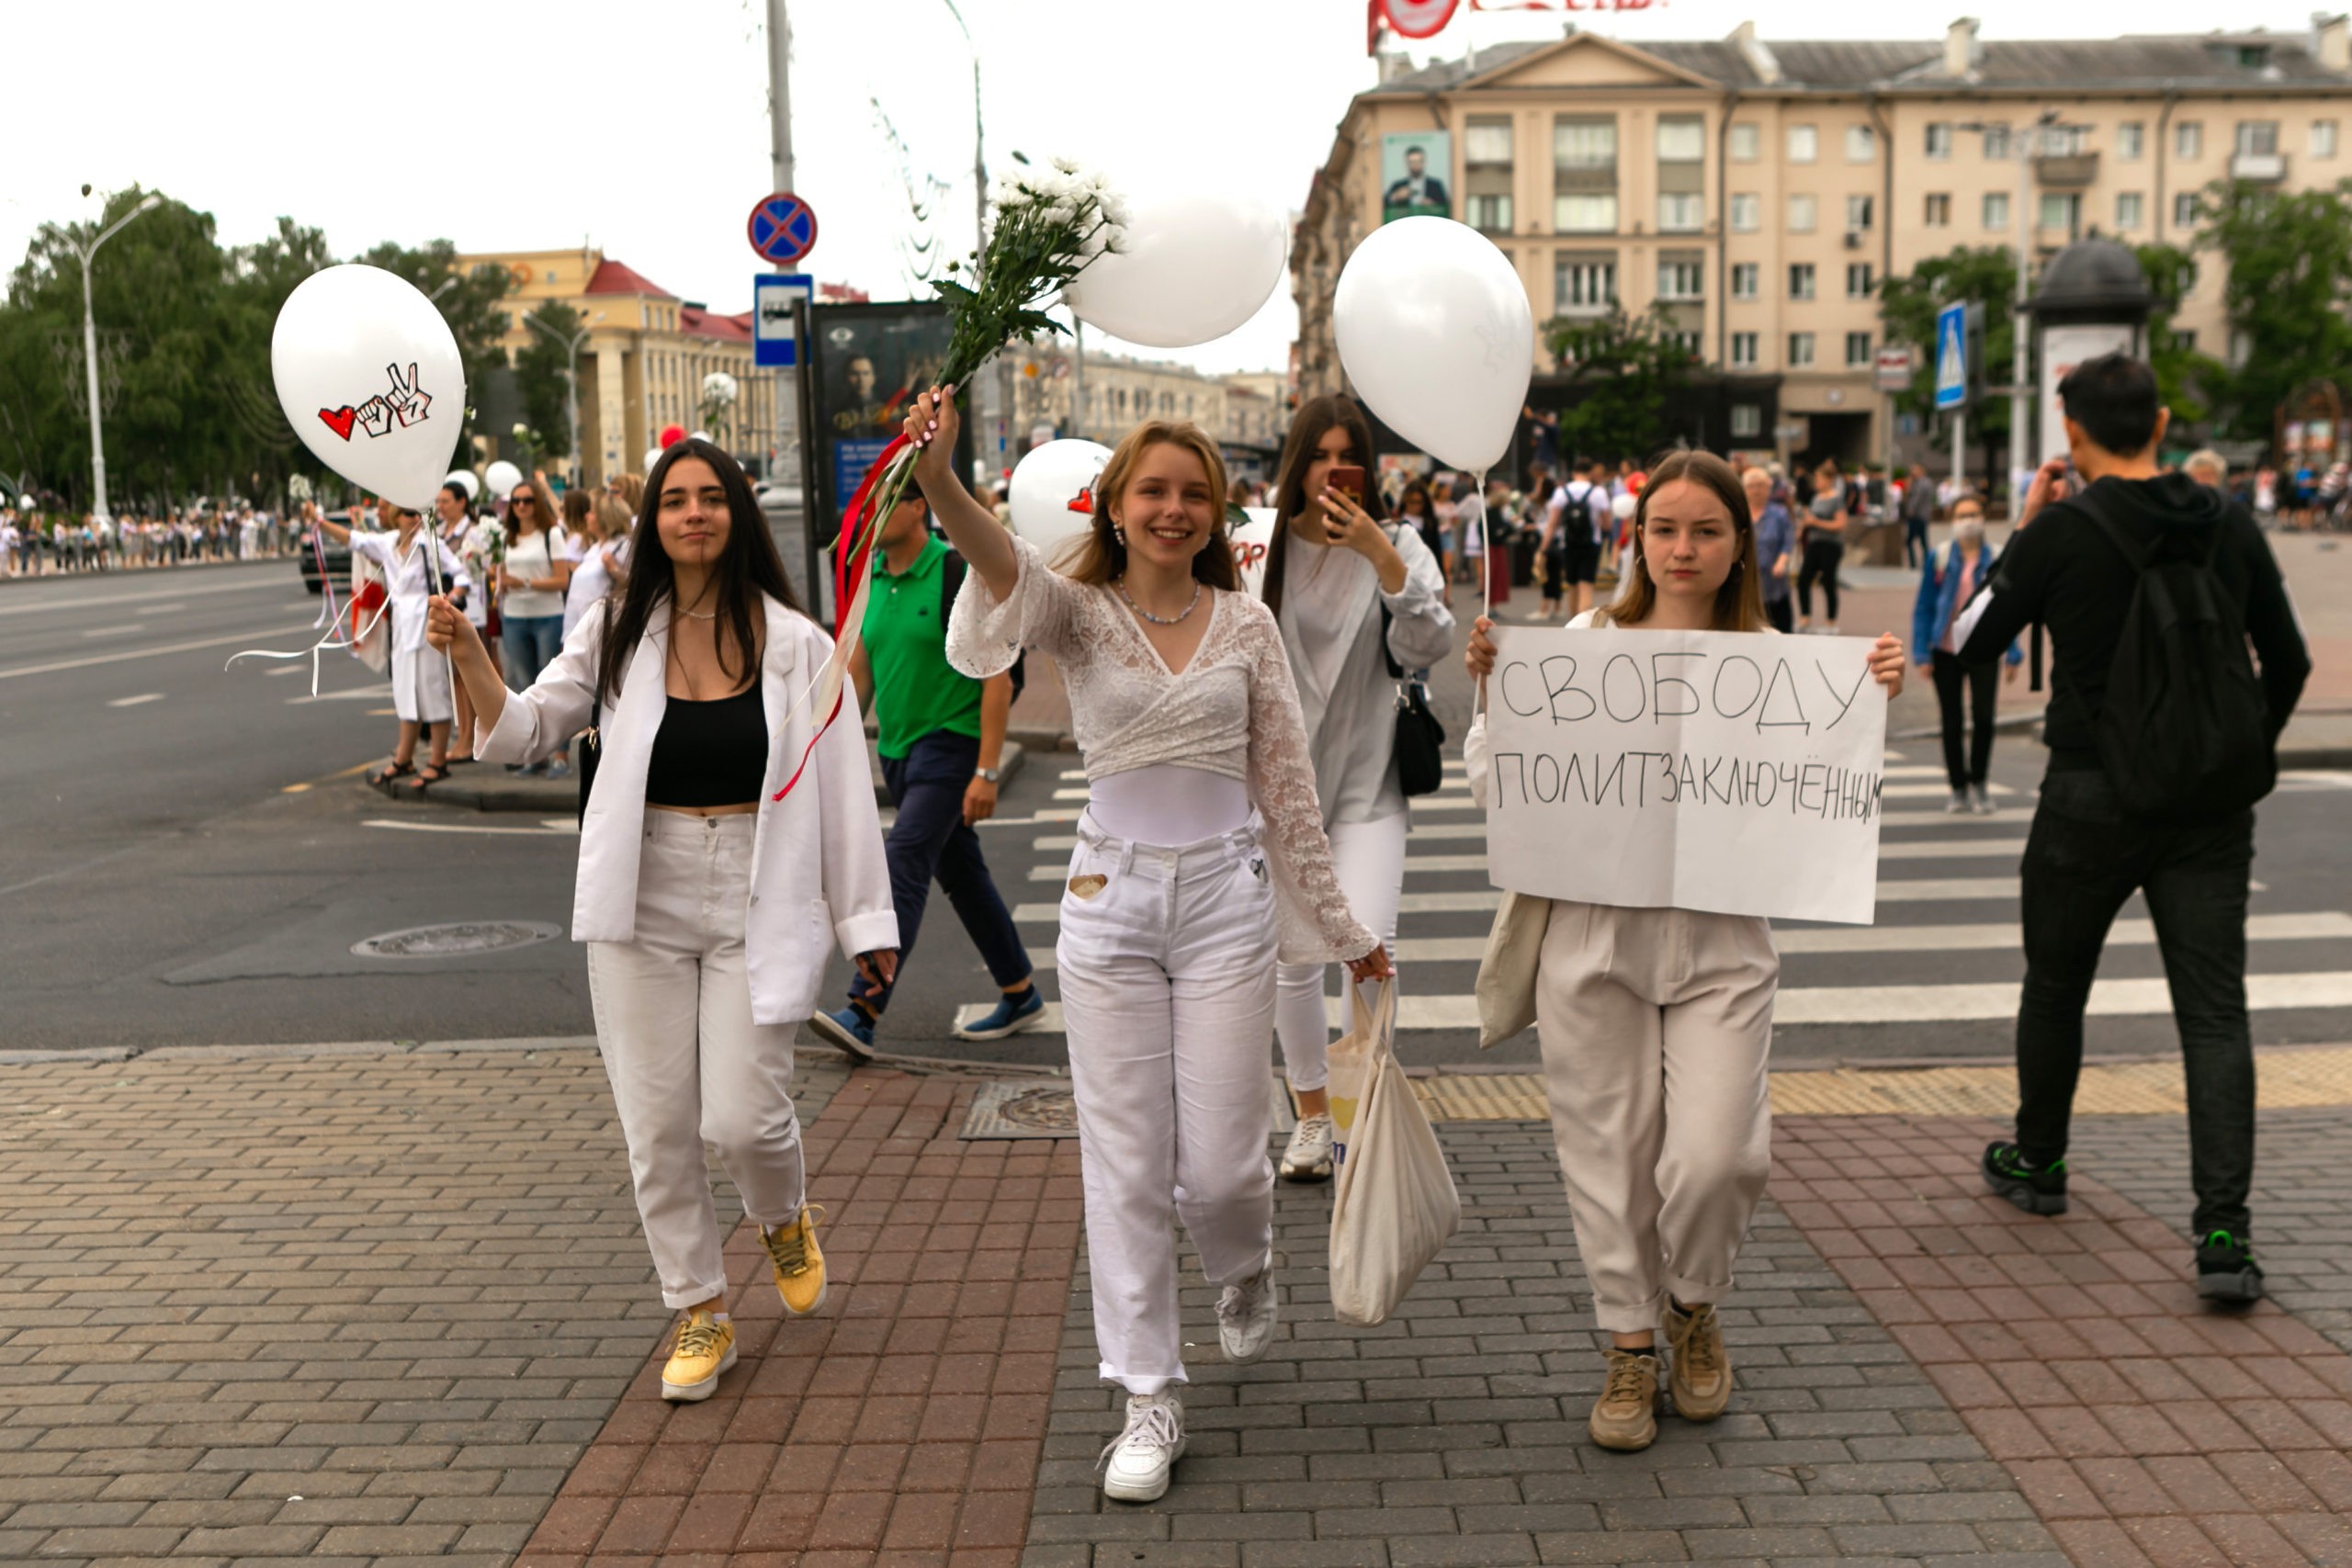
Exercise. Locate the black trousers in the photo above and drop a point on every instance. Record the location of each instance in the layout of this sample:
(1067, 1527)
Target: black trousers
(1950, 676)
(1822, 554)
(2082, 859)
(1777, 611)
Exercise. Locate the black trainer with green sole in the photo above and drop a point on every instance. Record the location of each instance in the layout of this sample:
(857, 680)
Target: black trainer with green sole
(2226, 1270)
(2035, 1189)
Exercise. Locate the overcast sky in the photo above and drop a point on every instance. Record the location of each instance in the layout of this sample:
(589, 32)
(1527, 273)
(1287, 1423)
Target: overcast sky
(641, 127)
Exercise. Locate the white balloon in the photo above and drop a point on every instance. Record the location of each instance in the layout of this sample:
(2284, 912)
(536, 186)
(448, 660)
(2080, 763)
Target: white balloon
(699, 435)
(464, 479)
(653, 456)
(1052, 491)
(501, 478)
(1192, 268)
(1252, 540)
(368, 375)
(1434, 329)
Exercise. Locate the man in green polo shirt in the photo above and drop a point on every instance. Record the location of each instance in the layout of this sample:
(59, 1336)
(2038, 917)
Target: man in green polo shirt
(941, 736)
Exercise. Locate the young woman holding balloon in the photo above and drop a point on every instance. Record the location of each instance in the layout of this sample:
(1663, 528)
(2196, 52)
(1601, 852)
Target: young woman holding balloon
(411, 561)
(1200, 858)
(452, 508)
(1354, 598)
(708, 885)
(1655, 1023)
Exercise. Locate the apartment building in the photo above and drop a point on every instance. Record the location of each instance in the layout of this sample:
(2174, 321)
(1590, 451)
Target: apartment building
(1245, 412)
(1763, 191)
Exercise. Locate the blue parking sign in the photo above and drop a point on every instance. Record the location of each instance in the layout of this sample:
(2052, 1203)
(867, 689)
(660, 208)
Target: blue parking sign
(773, 344)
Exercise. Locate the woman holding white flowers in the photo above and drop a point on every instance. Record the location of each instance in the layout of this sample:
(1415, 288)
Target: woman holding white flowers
(1200, 860)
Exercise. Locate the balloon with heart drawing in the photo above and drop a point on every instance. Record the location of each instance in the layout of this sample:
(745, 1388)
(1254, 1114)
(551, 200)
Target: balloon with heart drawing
(1052, 491)
(370, 377)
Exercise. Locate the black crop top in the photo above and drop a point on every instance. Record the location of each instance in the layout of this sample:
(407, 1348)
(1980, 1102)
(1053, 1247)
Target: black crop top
(713, 753)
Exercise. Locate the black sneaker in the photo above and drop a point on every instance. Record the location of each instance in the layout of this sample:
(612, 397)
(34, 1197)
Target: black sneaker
(2226, 1270)
(2038, 1190)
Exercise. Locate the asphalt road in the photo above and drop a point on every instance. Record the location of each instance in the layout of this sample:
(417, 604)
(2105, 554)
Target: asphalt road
(186, 857)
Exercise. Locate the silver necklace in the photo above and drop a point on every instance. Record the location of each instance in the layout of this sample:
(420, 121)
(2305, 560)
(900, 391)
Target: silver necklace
(700, 615)
(1159, 620)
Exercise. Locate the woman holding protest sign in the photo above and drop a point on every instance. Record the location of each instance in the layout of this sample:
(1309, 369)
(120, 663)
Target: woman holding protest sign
(1360, 605)
(1655, 1023)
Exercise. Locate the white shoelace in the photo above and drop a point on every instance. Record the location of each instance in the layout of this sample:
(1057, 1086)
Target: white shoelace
(1239, 1303)
(1155, 1425)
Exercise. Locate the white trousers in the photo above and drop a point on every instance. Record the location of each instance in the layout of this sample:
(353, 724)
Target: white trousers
(421, 687)
(1370, 860)
(1167, 976)
(1656, 1027)
(687, 1065)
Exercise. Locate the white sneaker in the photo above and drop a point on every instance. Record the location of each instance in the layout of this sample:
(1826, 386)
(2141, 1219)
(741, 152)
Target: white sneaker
(1979, 802)
(1958, 804)
(1244, 1317)
(1137, 1462)
(1309, 1158)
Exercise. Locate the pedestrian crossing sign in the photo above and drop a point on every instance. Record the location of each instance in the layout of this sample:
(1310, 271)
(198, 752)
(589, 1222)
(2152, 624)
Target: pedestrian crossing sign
(1951, 356)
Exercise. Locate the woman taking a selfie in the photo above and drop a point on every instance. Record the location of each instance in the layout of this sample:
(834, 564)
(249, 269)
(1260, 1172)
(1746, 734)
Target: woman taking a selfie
(1200, 858)
(1655, 1023)
(705, 901)
(1360, 601)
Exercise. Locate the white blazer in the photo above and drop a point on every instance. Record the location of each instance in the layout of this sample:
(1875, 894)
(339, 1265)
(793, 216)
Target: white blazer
(817, 872)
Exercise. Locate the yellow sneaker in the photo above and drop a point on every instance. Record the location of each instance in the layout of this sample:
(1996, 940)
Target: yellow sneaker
(799, 1264)
(704, 1347)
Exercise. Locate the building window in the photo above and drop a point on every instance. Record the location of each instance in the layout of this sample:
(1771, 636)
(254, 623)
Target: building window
(1858, 213)
(1747, 143)
(1800, 350)
(2185, 210)
(1585, 144)
(2186, 342)
(1584, 283)
(2128, 209)
(1861, 144)
(1859, 279)
(1940, 139)
(2259, 137)
(2062, 210)
(1585, 214)
(1584, 164)
(1747, 420)
(1681, 279)
(1681, 141)
(1688, 342)
(1486, 173)
(1805, 143)
(2241, 347)
(1802, 210)
(1743, 280)
(1938, 213)
(1996, 143)
(1684, 214)
(1800, 280)
(1996, 211)
(1743, 350)
(2323, 139)
(1858, 349)
(2189, 139)
(1747, 213)
(2130, 140)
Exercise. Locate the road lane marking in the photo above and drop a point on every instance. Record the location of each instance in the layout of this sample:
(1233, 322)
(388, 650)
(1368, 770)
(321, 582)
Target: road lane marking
(55, 666)
(116, 631)
(134, 702)
(188, 593)
(552, 829)
(356, 693)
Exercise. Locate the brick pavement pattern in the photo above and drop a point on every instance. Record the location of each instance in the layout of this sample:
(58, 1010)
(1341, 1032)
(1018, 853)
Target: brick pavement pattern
(2146, 1427)
(902, 1425)
(347, 1307)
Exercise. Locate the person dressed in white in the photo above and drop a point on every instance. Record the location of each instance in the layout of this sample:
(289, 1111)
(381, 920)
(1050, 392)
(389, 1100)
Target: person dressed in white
(708, 891)
(413, 560)
(452, 508)
(1655, 1023)
(1362, 607)
(1200, 859)
(598, 551)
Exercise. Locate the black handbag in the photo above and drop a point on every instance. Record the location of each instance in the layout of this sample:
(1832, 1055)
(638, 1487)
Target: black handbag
(1420, 738)
(591, 747)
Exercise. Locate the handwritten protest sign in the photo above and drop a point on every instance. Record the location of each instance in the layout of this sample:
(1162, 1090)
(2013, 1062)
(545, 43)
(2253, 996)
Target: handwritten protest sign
(1725, 771)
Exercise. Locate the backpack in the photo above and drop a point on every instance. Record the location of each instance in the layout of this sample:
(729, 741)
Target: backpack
(2184, 732)
(1576, 510)
(951, 582)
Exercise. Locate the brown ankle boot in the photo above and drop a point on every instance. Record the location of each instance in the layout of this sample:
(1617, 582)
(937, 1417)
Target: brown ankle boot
(1625, 1415)
(1700, 1378)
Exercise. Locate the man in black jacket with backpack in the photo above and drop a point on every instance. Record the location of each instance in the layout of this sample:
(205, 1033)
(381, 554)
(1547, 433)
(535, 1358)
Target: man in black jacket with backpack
(2162, 736)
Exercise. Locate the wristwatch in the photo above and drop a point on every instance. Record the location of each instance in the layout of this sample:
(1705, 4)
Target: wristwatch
(989, 776)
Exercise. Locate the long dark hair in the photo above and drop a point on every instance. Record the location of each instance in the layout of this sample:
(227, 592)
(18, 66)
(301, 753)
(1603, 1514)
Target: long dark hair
(748, 567)
(1097, 556)
(1739, 603)
(1307, 427)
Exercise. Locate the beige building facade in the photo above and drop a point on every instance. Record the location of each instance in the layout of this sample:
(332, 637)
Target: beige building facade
(1244, 413)
(644, 363)
(1765, 191)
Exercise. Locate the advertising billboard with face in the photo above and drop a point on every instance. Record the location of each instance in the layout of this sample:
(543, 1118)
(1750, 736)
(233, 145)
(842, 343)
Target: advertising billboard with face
(1414, 167)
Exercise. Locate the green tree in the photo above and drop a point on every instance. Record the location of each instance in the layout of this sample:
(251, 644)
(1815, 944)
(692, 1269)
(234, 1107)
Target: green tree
(1620, 370)
(539, 374)
(2289, 259)
(471, 299)
(2185, 379)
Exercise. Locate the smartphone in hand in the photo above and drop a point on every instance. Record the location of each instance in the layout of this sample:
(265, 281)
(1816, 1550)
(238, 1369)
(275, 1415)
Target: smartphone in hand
(1348, 479)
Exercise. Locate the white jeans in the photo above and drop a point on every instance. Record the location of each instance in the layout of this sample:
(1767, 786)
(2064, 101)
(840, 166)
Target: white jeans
(688, 1066)
(1370, 860)
(1167, 972)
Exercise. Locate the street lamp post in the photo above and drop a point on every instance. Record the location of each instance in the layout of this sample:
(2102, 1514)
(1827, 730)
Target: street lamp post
(571, 379)
(90, 353)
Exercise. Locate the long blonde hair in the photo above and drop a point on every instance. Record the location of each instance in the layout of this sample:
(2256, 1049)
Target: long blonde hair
(1739, 603)
(1098, 557)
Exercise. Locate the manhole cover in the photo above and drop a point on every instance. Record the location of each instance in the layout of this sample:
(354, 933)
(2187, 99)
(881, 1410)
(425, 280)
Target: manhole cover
(1021, 1111)
(460, 941)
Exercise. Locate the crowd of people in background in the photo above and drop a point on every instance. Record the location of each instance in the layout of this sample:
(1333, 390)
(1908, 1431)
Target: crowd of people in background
(38, 542)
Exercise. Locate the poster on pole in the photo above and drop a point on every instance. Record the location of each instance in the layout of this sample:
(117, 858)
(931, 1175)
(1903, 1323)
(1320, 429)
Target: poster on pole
(2062, 348)
(868, 362)
(1735, 772)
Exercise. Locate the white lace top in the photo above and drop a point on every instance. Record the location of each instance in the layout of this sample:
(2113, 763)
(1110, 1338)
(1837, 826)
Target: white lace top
(1232, 711)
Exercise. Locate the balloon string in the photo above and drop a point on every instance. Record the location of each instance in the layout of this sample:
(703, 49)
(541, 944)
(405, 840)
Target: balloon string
(1486, 569)
(321, 645)
(853, 576)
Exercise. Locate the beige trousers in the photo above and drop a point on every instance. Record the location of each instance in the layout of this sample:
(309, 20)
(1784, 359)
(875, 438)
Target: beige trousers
(1655, 1026)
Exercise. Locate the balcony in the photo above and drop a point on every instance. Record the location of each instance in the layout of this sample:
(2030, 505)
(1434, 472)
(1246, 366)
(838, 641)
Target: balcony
(2265, 168)
(2068, 171)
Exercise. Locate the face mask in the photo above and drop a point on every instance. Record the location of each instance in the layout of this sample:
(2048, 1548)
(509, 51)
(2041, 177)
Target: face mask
(1968, 531)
